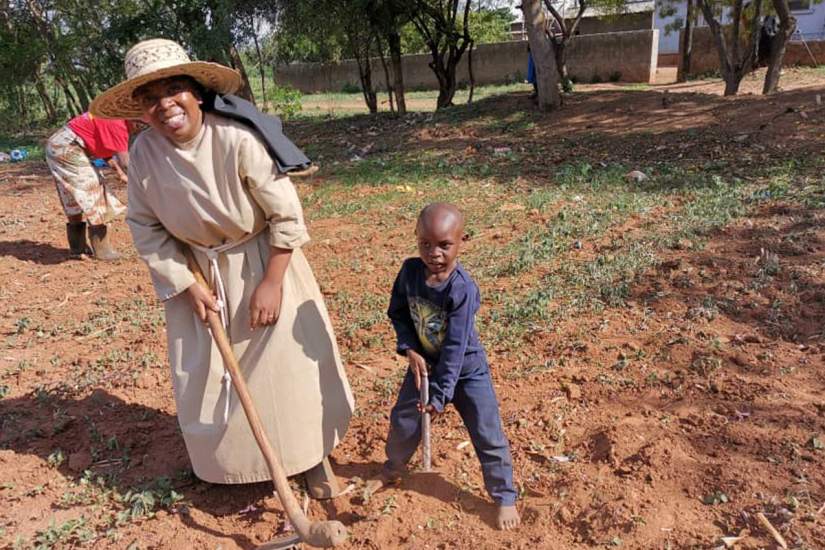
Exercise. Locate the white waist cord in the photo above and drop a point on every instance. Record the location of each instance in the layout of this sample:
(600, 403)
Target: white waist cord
(217, 283)
(215, 279)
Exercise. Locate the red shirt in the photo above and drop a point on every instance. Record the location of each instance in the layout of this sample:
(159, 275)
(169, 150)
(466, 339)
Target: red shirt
(103, 137)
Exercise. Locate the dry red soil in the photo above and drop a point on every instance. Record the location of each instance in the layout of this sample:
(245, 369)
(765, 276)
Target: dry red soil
(673, 421)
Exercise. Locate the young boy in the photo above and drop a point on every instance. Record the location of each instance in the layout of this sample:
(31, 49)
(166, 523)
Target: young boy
(432, 308)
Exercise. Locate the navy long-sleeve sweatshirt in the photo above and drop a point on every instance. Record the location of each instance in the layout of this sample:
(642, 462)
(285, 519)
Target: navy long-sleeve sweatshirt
(439, 323)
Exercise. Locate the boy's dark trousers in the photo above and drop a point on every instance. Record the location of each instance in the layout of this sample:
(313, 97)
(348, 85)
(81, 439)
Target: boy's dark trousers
(475, 400)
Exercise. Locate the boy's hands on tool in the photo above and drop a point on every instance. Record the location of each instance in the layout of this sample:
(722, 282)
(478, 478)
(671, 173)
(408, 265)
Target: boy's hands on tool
(428, 409)
(201, 300)
(265, 304)
(418, 366)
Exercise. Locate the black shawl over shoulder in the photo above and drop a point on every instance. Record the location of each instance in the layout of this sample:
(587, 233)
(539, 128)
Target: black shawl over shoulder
(285, 153)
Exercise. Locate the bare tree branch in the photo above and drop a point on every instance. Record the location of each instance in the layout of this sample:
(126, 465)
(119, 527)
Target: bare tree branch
(737, 22)
(575, 25)
(557, 16)
(753, 43)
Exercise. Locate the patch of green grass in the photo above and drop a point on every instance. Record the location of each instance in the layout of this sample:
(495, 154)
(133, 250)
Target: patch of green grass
(636, 87)
(603, 282)
(530, 370)
(22, 325)
(706, 208)
(107, 320)
(71, 532)
(417, 190)
(705, 203)
(358, 312)
(338, 104)
(384, 389)
(21, 366)
(413, 170)
(799, 179)
(584, 215)
(592, 199)
(56, 458)
(122, 508)
(88, 490)
(519, 121)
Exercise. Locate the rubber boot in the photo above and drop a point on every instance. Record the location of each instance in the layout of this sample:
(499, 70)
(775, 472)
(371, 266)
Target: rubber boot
(321, 481)
(101, 246)
(76, 235)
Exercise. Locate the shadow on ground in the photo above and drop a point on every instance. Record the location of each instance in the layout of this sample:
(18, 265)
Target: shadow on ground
(33, 251)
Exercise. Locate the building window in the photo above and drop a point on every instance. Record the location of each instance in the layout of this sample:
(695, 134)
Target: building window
(799, 5)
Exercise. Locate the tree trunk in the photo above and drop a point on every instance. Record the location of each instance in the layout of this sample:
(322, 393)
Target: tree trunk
(725, 64)
(686, 47)
(261, 67)
(83, 96)
(22, 107)
(446, 84)
(560, 52)
(394, 42)
(470, 72)
(734, 65)
(387, 82)
(732, 83)
(48, 105)
(787, 25)
(365, 76)
(437, 27)
(561, 38)
(360, 48)
(89, 84)
(72, 104)
(743, 64)
(445, 74)
(547, 74)
(237, 63)
(62, 69)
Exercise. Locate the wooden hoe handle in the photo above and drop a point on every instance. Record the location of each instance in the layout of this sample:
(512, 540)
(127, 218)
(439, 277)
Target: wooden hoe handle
(426, 448)
(323, 534)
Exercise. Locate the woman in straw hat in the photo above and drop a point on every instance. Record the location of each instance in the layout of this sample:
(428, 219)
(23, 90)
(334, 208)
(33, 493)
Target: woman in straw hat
(207, 182)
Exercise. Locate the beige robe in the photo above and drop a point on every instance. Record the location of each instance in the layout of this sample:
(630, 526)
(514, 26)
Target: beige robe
(217, 189)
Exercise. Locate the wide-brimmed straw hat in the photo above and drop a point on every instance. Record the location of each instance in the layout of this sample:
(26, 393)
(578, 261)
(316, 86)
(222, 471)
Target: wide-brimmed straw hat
(152, 60)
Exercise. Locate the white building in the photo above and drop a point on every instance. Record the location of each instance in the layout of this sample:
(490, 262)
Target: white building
(641, 14)
(810, 23)
(636, 15)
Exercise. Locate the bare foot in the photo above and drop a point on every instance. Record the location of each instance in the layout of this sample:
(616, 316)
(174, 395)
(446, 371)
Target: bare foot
(508, 518)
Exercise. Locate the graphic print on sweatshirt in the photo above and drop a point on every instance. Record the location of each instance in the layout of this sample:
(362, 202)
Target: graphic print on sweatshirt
(430, 324)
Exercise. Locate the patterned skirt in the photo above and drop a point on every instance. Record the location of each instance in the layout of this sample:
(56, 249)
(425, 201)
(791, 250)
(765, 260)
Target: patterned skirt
(79, 185)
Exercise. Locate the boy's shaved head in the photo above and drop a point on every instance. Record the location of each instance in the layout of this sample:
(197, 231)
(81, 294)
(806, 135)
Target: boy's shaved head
(441, 217)
(440, 231)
